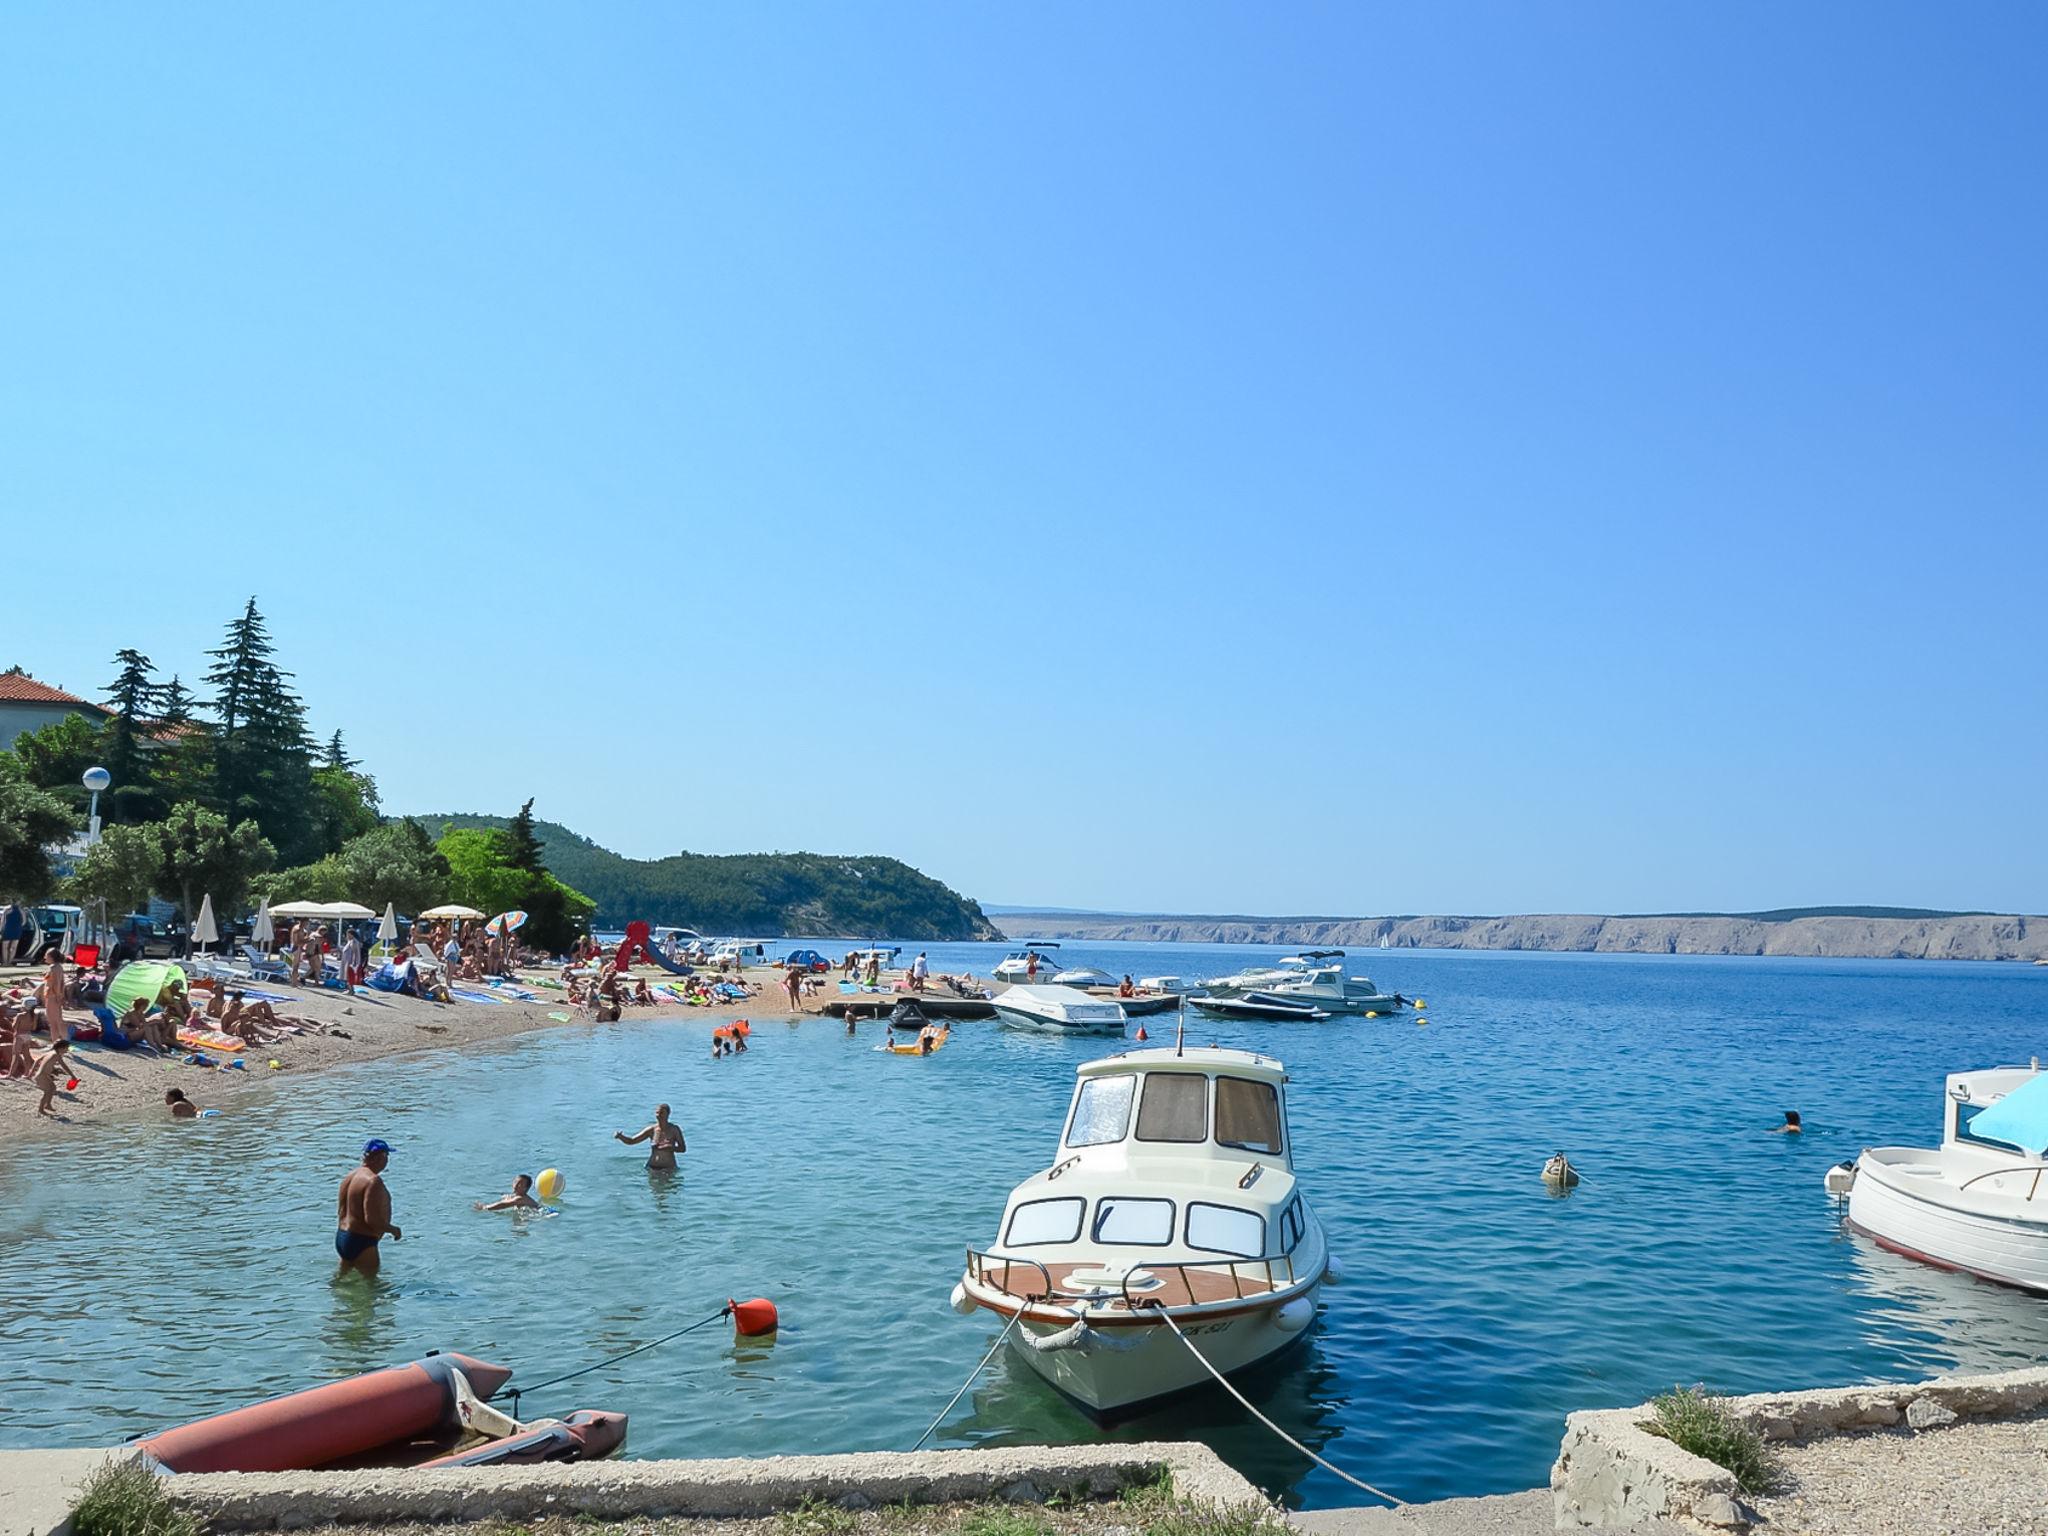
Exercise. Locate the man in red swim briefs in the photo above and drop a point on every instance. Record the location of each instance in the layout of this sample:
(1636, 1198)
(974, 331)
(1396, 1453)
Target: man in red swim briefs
(363, 1212)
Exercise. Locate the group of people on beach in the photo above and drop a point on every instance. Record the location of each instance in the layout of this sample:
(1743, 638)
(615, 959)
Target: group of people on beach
(39, 1010)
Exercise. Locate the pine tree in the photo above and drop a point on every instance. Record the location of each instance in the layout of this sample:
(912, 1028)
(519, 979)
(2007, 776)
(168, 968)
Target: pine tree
(337, 754)
(134, 697)
(263, 755)
(174, 702)
(522, 846)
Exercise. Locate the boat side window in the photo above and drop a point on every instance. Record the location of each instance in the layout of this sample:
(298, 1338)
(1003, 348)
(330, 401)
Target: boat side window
(1124, 1219)
(1226, 1229)
(1175, 1107)
(1247, 1115)
(1290, 1225)
(1045, 1221)
(1102, 1111)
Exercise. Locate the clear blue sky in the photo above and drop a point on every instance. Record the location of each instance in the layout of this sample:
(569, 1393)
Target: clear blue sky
(1278, 458)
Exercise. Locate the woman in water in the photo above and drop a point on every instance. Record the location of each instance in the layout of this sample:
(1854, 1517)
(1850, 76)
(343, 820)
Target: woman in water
(666, 1135)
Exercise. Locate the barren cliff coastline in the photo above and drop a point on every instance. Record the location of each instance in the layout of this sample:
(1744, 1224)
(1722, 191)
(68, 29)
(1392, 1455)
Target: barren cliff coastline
(1961, 937)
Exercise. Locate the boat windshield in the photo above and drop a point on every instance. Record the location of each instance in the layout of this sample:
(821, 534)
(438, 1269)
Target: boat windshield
(1247, 1115)
(1102, 1111)
(1175, 1107)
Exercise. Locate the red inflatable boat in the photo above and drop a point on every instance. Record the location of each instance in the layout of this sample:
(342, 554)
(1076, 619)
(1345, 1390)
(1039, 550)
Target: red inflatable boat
(409, 1415)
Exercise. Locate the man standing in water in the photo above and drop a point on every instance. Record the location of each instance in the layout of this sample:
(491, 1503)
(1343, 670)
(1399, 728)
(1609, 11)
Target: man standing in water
(363, 1213)
(666, 1136)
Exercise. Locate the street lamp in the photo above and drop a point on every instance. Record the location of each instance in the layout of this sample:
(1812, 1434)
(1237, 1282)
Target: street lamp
(95, 779)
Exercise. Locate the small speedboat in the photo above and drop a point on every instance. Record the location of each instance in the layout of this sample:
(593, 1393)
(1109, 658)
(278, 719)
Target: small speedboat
(1977, 1203)
(1172, 1197)
(434, 1412)
(1258, 1005)
(1083, 976)
(1059, 1011)
(1326, 986)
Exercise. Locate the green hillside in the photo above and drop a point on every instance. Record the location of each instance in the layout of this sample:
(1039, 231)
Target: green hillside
(760, 895)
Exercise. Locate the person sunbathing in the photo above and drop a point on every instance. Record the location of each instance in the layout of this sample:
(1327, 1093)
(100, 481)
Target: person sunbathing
(641, 994)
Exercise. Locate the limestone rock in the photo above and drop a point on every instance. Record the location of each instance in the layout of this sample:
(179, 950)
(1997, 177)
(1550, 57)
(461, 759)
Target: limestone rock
(1925, 1413)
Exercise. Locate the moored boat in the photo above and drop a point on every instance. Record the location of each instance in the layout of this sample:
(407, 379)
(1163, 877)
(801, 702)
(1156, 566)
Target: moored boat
(433, 1412)
(1059, 1011)
(1976, 1203)
(1257, 1005)
(1172, 1209)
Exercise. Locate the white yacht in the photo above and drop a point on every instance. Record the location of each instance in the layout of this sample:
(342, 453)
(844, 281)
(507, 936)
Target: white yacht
(1059, 1010)
(1327, 987)
(1976, 1203)
(1017, 966)
(1314, 978)
(1172, 1196)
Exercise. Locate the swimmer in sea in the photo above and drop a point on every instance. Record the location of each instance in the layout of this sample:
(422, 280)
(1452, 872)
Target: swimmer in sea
(521, 1198)
(363, 1213)
(181, 1108)
(666, 1135)
(1791, 1127)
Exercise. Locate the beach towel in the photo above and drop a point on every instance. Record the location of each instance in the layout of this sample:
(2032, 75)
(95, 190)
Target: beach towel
(470, 996)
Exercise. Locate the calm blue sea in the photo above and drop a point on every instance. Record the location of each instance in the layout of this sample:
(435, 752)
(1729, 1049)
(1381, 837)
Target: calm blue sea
(155, 1273)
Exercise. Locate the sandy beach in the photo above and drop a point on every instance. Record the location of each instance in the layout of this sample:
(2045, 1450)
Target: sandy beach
(126, 1085)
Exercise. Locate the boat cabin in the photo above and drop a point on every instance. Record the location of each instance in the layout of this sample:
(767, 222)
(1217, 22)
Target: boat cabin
(1178, 1158)
(2015, 1131)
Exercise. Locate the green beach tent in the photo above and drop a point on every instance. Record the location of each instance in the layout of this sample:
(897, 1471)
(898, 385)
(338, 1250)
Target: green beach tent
(145, 979)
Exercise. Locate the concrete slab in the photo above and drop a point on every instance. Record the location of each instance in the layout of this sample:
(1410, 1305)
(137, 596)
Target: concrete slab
(1506, 1514)
(631, 1490)
(38, 1488)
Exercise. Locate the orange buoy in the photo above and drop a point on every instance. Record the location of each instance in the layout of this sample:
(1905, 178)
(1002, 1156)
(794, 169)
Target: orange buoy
(1141, 1033)
(752, 1318)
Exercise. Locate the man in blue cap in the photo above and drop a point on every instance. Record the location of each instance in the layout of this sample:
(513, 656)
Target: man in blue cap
(363, 1213)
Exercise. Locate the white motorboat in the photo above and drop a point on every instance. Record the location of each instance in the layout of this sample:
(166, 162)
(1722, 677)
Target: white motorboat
(1172, 1196)
(1257, 1005)
(1326, 986)
(1084, 976)
(1059, 1010)
(1976, 1203)
(1017, 964)
(1263, 978)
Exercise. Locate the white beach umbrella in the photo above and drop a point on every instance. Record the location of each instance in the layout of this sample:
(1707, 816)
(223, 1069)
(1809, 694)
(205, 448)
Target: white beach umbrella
(298, 909)
(205, 931)
(387, 931)
(341, 909)
(265, 931)
(452, 909)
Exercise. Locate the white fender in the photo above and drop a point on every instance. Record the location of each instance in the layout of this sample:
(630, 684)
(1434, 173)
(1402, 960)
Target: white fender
(1333, 1270)
(1293, 1316)
(962, 1302)
(1078, 1335)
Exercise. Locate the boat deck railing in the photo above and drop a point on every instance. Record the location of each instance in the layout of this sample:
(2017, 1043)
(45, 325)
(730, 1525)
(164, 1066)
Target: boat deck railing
(1264, 1276)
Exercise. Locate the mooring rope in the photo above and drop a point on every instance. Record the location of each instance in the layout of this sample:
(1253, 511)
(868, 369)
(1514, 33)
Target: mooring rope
(1378, 1493)
(1015, 1318)
(517, 1392)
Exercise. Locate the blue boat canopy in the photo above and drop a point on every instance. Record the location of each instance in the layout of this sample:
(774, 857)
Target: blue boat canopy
(2020, 1119)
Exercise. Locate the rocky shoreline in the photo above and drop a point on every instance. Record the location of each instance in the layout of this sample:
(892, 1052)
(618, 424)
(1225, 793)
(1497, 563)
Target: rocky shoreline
(1989, 937)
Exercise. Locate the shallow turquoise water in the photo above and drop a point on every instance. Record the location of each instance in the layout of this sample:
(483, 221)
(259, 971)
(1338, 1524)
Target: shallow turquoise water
(160, 1272)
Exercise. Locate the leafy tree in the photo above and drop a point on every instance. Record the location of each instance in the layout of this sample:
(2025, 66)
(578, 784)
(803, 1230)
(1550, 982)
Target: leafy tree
(262, 754)
(55, 758)
(203, 853)
(119, 871)
(397, 863)
(322, 880)
(343, 805)
(134, 697)
(31, 818)
(482, 875)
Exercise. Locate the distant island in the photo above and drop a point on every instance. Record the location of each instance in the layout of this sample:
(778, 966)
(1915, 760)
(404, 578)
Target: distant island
(1860, 933)
(753, 895)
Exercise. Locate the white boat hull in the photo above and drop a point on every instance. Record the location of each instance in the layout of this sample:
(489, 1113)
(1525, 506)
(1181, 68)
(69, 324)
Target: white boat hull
(2011, 1249)
(1018, 1018)
(1106, 1379)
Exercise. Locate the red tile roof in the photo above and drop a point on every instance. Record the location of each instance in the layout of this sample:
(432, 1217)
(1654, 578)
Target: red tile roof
(20, 688)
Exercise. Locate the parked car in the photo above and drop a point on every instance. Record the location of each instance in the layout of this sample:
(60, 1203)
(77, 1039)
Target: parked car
(809, 959)
(156, 939)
